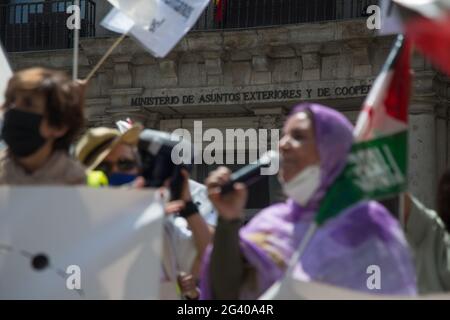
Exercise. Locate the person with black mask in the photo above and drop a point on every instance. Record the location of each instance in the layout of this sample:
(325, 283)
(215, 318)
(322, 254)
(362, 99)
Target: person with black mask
(42, 114)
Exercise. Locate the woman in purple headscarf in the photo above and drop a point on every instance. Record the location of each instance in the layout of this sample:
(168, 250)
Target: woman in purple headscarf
(244, 262)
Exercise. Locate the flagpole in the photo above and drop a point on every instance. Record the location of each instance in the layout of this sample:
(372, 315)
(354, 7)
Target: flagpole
(105, 56)
(273, 291)
(401, 209)
(301, 248)
(76, 40)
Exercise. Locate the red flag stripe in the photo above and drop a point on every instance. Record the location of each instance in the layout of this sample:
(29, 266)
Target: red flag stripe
(397, 98)
(432, 38)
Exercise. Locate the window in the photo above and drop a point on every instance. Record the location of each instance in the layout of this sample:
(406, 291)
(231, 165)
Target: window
(21, 9)
(41, 24)
(61, 7)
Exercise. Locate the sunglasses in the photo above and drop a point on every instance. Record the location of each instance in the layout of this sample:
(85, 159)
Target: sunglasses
(123, 165)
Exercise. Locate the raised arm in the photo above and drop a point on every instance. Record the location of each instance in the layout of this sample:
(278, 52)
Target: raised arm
(227, 263)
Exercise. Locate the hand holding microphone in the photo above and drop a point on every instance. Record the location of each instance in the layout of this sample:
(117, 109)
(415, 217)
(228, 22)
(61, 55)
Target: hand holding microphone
(251, 173)
(228, 192)
(230, 206)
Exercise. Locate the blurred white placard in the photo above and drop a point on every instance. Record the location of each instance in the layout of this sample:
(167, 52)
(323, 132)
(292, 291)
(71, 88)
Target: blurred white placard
(112, 235)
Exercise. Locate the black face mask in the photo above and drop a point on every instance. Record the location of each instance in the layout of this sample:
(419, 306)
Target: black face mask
(21, 132)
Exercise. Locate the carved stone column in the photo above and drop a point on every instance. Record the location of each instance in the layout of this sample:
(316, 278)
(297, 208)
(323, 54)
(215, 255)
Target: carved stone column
(422, 152)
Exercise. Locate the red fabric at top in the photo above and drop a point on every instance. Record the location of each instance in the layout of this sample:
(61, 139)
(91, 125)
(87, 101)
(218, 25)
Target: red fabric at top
(432, 38)
(397, 98)
(220, 10)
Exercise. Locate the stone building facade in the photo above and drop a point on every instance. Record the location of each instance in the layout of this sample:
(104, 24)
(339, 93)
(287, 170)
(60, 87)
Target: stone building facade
(251, 78)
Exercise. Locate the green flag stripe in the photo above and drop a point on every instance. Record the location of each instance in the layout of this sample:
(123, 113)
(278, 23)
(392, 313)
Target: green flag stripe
(375, 169)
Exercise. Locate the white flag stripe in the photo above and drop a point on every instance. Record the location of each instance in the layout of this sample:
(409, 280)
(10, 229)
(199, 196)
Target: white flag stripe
(380, 123)
(373, 101)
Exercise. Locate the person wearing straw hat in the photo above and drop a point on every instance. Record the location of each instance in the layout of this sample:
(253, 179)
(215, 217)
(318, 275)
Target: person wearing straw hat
(110, 152)
(112, 158)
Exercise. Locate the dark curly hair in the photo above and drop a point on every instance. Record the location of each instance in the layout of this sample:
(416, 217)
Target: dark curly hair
(64, 99)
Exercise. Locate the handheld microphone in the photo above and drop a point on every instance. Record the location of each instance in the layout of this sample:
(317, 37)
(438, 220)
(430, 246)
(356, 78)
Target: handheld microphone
(251, 173)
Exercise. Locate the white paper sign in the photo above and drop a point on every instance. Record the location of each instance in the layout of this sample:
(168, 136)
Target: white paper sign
(5, 74)
(140, 11)
(79, 243)
(157, 24)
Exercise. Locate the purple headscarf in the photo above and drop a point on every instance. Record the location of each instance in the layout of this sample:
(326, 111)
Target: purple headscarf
(334, 138)
(343, 249)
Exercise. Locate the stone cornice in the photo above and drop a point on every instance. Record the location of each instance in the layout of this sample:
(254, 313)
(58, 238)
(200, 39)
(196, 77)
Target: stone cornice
(355, 32)
(126, 91)
(422, 106)
(97, 101)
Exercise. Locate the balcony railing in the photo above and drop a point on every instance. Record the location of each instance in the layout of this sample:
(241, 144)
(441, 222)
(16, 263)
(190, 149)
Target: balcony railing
(42, 25)
(244, 14)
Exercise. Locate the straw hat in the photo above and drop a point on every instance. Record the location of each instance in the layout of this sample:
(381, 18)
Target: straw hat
(97, 143)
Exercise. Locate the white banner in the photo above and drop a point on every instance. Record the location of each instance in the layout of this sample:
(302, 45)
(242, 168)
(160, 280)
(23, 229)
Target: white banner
(294, 289)
(5, 74)
(157, 24)
(79, 243)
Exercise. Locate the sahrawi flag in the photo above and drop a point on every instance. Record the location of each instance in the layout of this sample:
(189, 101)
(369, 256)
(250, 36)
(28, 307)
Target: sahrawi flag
(158, 25)
(377, 164)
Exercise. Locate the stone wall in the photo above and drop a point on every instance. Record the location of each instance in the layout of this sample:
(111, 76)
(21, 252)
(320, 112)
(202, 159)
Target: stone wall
(255, 76)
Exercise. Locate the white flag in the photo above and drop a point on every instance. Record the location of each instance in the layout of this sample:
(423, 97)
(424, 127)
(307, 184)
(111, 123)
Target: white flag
(157, 24)
(5, 74)
(117, 21)
(140, 11)
(79, 243)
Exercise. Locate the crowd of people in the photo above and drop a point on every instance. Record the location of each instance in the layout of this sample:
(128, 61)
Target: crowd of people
(208, 251)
